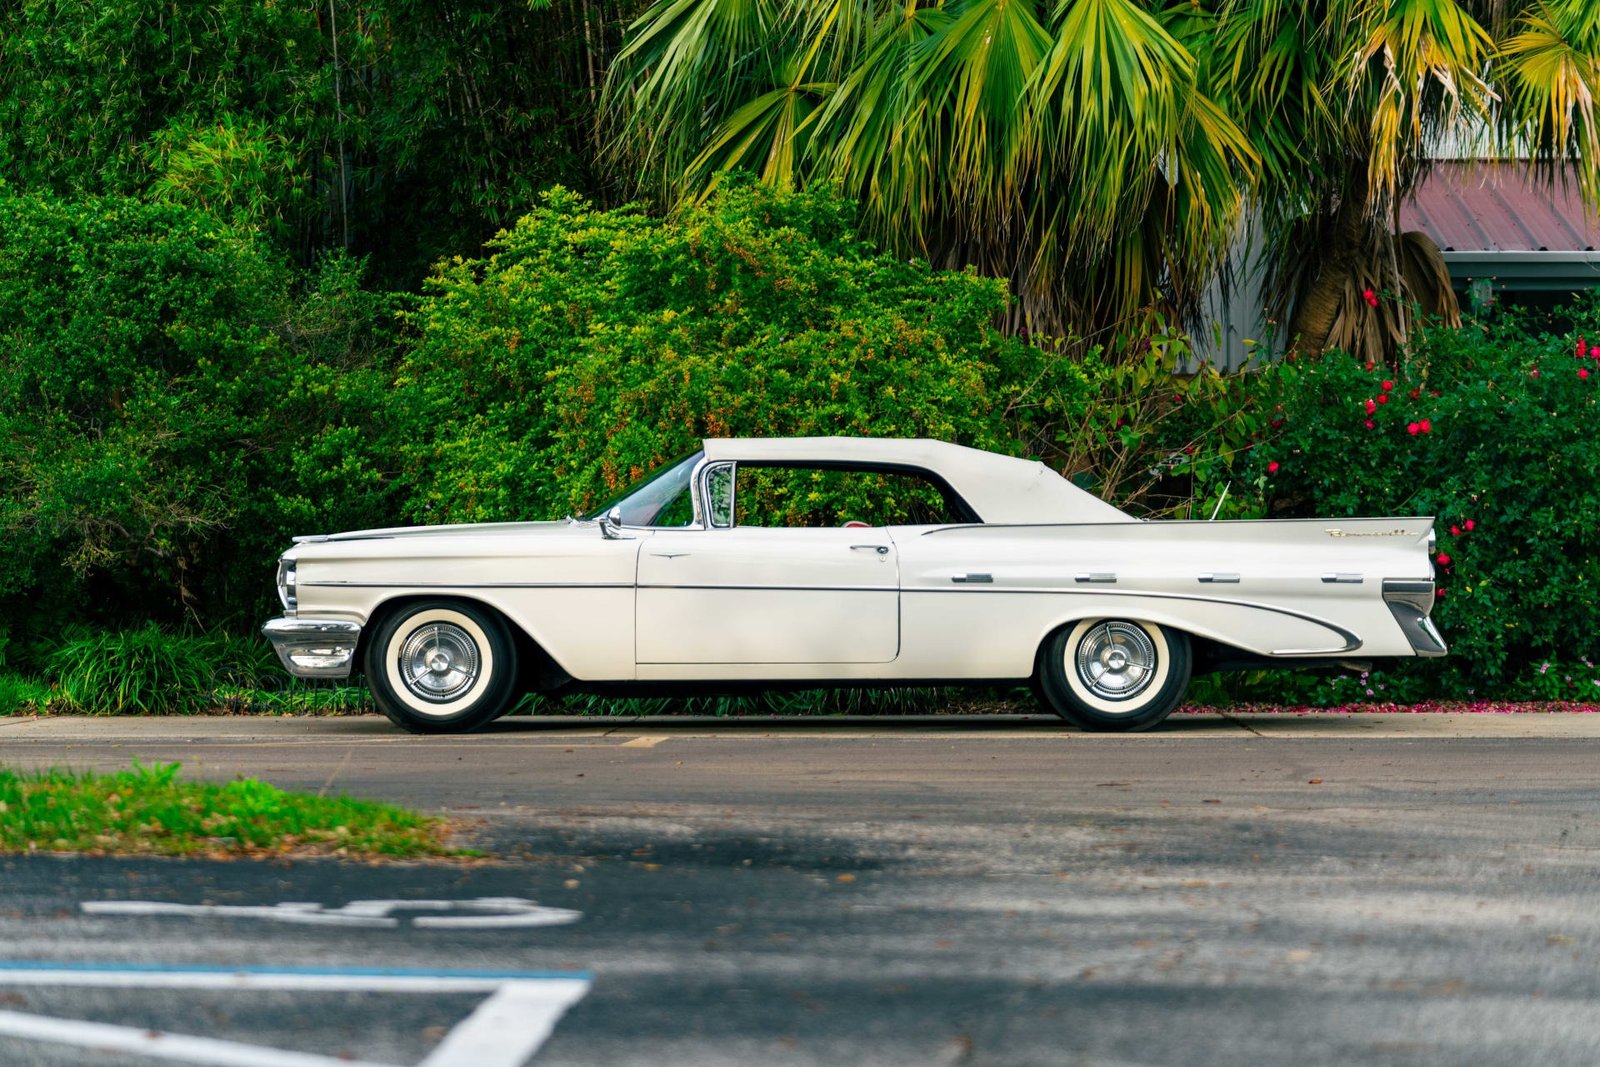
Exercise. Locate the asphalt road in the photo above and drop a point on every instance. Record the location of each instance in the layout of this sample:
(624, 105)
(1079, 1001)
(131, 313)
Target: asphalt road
(1267, 890)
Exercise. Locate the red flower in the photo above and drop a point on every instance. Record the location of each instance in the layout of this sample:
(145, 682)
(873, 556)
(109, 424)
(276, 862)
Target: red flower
(1455, 531)
(1534, 373)
(1427, 427)
(1444, 560)
(1469, 524)
(1414, 428)
(1580, 346)
(1369, 424)
(1583, 373)
(1370, 297)
(1372, 406)
(1272, 468)
(1415, 392)
(1439, 592)
(1387, 385)
(1369, 364)
(1594, 351)
(1383, 398)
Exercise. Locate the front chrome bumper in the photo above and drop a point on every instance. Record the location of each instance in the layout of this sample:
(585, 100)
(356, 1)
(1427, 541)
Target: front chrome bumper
(314, 648)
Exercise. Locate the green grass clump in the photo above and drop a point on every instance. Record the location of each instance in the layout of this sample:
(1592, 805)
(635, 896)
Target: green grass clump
(137, 672)
(147, 810)
(22, 696)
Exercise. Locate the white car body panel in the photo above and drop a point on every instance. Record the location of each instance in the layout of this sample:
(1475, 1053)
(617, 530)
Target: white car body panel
(951, 602)
(805, 596)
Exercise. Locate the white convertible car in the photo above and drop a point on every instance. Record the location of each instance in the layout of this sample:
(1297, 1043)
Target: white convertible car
(847, 561)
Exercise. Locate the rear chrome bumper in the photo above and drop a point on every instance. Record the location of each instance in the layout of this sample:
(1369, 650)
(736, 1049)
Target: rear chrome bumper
(314, 648)
(1410, 601)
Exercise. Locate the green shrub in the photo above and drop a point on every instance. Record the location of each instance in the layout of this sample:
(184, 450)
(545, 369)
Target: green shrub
(174, 403)
(595, 345)
(1489, 429)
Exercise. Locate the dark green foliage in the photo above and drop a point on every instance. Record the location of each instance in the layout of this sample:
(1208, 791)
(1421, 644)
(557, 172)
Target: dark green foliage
(171, 401)
(404, 129)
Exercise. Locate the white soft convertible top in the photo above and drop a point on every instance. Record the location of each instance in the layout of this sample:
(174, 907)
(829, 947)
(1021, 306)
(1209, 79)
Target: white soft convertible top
(999, 488)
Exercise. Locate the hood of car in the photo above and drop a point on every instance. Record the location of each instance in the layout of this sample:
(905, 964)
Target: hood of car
(475, 529)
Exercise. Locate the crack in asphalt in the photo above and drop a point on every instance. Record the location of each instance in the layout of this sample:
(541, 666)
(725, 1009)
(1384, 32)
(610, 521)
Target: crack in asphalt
(1240, 724)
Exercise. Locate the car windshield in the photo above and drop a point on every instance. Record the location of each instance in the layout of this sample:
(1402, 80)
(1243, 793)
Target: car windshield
(659, 499)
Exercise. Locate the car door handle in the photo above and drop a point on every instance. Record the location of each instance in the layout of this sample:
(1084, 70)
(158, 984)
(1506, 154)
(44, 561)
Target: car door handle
(882, 550)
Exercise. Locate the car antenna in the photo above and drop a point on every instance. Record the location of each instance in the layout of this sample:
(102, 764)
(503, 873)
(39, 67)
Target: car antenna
(1220, 499)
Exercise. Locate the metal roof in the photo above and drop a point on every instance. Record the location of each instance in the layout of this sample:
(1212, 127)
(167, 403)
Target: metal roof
(1471, 206)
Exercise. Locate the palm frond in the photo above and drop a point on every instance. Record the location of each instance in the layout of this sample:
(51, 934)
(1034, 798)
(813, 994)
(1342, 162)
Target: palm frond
(1551, 70)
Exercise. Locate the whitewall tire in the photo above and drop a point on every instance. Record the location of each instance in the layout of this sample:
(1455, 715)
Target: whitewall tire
(1114, 674)
(441, 666)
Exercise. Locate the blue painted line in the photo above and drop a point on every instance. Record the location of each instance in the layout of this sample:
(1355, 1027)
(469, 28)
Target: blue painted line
(345, 972)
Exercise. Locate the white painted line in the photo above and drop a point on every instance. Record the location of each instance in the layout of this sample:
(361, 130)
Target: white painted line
(178, 1047)
(644, 742)
(103, 1037)
(484, 912)
(300, 914)
(508, 1027)
(295, 981)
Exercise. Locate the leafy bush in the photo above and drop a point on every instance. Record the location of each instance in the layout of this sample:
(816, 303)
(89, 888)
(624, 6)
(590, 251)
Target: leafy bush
(593, 346)
(1489, 429)
(171, 397)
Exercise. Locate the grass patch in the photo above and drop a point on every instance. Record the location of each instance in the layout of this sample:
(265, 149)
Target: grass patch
(22, 696)
(148, 811)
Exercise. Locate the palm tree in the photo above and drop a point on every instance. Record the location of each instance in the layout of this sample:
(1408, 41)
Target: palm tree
(1100, 154)
(1347, 102)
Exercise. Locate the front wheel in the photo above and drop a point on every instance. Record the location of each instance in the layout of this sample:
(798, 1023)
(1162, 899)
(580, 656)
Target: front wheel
(1114, 674)
(441, 666)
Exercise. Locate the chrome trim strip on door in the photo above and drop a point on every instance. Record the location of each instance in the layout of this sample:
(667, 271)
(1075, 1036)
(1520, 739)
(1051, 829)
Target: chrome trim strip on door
(1352, 642)
(469, 585)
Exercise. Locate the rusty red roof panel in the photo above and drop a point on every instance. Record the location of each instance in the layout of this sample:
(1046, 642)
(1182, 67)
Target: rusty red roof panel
(1487, 206)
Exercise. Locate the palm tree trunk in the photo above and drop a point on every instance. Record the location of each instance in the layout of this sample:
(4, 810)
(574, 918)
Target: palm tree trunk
(1318, 307)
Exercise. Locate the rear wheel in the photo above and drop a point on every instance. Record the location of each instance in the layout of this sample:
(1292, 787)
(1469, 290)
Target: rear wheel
(1114, 674)
(442, 666)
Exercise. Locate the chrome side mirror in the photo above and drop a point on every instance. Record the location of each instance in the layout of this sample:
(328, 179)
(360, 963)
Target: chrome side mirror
(611, 524)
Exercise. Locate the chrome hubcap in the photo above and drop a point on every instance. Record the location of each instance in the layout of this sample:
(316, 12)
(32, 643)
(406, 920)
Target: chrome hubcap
(1116, 661)
(439, 662)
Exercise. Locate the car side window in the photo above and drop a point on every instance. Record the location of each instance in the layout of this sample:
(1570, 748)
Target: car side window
(782, 496)
(719, 495)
